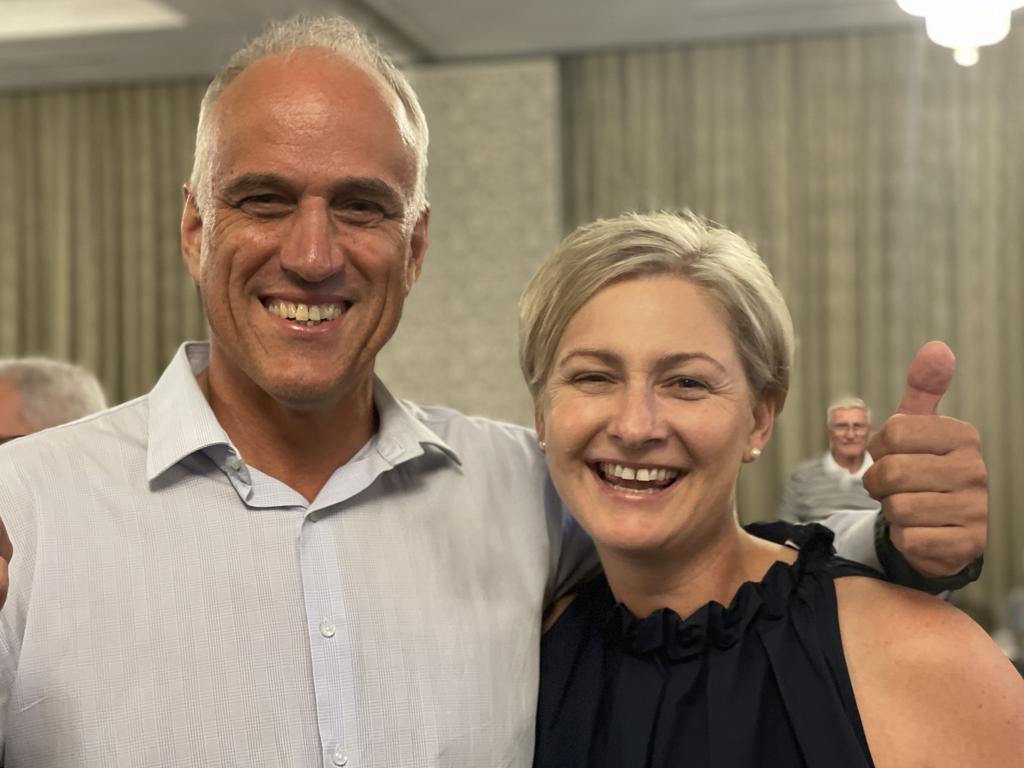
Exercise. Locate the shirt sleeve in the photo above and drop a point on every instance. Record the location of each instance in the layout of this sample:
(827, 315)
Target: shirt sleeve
(575, 558)
(855, 535)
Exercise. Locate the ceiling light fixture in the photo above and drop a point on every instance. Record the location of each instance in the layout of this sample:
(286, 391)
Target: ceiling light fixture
(964, 25)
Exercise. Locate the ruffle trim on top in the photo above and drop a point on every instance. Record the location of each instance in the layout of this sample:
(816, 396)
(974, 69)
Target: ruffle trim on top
(667, 635)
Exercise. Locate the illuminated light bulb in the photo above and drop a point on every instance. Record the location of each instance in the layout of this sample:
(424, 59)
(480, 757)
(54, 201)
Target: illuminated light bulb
(915, 7)
(956, 27)
(964, 25)
(965, 57)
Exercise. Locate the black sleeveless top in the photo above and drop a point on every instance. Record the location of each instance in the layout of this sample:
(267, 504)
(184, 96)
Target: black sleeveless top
(761, 683)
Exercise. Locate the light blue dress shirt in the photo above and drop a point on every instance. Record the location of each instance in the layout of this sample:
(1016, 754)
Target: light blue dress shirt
(170, 605)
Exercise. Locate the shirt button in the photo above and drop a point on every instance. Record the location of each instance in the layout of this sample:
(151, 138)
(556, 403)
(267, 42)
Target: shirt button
(234, 463)
(327, 630)
(339, 758)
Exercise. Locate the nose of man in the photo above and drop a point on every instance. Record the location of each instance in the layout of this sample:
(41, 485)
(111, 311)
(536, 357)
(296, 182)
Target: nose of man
(311, 249)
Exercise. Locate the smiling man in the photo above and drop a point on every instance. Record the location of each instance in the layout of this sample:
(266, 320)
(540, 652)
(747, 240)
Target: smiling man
(822, 486)
(269, 559)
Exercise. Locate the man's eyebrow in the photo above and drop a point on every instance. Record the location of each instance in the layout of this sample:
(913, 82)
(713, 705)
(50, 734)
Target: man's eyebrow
(349, 185)
(367, 185)
(249, 182)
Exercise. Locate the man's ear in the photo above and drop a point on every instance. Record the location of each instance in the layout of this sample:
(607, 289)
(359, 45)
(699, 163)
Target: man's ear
(191, 233)
(417, 250)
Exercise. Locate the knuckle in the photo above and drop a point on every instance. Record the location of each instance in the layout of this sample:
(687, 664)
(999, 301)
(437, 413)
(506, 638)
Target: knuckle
(970, 437)
(900, 538)
(977, 474)
(898, 430)
(898, 507)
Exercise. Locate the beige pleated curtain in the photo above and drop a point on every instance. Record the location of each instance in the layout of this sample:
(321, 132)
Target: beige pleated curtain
(884, 186)
(882, 183)
(90, 195)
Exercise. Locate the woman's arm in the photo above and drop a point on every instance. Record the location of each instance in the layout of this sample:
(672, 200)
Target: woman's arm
(932, 688)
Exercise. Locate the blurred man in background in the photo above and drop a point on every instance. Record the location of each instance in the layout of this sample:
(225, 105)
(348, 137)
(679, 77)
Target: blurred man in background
(37, 393)
(832, 482)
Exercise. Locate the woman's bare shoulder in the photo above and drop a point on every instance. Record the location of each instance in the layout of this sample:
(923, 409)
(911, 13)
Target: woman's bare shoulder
(932, 688)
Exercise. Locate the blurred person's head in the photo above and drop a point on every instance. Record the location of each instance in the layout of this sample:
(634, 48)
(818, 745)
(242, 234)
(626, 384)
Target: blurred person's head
(37, 393)
(848, 421)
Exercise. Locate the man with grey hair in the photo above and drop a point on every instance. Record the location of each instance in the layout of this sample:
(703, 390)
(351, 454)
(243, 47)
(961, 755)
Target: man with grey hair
(37, 393)
(832, 482)
(270, 559)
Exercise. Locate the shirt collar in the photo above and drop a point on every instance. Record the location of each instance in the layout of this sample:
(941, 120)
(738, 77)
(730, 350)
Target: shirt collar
(832, 466)
(181, 421)
(402, 433)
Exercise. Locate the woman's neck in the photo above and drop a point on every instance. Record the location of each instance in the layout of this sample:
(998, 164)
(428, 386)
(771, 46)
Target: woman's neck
(708, 567)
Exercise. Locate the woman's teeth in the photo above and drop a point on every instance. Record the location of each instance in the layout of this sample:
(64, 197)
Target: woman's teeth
(643, 479)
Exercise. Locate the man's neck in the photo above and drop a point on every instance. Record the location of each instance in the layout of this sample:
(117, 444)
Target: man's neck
(300, 447)
(851, 465)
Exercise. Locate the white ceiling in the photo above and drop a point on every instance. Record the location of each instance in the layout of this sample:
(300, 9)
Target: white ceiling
(126, 40)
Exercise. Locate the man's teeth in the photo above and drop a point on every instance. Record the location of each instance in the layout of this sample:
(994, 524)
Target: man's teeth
(310, 314)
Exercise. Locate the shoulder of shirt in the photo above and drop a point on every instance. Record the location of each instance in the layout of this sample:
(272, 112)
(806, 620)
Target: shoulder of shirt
(127, 421)
(452, 426)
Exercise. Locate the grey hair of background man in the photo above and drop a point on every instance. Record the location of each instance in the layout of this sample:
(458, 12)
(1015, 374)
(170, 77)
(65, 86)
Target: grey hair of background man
(721, 263)
(52, 392)
(333, 34)
(844, 403)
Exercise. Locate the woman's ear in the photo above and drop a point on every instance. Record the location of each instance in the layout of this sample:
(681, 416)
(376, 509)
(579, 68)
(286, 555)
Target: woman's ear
(764, 423)
(538, 423)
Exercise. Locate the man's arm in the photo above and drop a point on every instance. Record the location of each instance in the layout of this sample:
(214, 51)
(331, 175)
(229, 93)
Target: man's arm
(855, 535)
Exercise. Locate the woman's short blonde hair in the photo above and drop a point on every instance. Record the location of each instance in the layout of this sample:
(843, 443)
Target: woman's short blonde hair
(636, 245)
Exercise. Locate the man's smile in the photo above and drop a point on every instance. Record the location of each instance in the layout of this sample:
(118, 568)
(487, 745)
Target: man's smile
(308, 314)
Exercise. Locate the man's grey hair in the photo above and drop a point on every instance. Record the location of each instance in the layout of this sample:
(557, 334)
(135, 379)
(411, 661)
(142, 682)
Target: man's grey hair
(632, 246)
(335, 35)
(844, 403)
(52, 392)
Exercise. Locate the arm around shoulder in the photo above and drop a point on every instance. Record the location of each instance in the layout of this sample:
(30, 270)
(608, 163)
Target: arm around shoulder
(931, 687)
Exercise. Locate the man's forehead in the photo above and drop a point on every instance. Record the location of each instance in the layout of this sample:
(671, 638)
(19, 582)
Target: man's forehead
(311, 103)
(309, 83)
(839, 414)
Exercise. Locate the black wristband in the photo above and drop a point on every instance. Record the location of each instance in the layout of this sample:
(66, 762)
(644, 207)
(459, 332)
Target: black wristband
(899, 571)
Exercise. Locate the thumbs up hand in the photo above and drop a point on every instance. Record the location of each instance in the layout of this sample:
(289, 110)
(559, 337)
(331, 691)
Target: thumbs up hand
(929, 474)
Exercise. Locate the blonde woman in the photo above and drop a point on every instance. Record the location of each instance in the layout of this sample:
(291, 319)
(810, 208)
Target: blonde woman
(658, 351)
